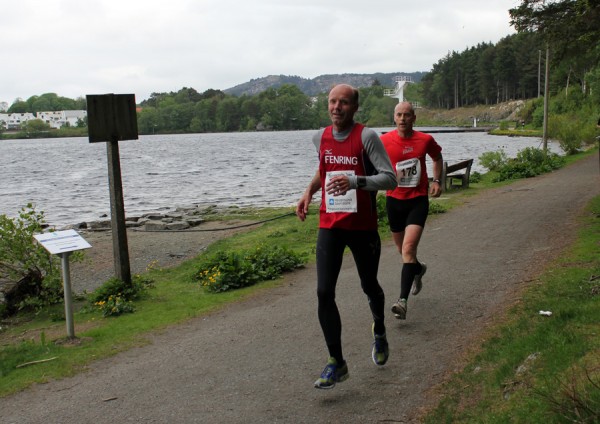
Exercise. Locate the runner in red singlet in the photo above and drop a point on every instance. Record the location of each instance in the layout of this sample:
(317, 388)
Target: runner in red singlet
(353, 165)
(408, 204)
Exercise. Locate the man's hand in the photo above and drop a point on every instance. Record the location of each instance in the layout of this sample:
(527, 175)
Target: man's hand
(302, 206)
(338, 185)
(435, 189)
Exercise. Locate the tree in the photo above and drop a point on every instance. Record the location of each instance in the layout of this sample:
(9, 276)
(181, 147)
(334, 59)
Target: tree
(18, 106)
(570, 26)
(35, 127)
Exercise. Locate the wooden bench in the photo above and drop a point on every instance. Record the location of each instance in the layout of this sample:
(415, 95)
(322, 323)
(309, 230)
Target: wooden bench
(456, 173)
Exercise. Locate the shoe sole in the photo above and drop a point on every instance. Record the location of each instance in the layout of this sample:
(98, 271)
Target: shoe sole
(417, 283)
(342, 378)
(399, 313)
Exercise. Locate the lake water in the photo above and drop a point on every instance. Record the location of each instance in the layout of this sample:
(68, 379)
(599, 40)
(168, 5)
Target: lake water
(68, 178)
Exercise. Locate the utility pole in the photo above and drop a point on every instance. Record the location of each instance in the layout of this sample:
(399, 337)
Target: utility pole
(546, 95)
(539, 93)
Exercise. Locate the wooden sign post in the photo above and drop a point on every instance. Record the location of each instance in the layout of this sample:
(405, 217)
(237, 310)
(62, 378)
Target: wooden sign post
(112, 117)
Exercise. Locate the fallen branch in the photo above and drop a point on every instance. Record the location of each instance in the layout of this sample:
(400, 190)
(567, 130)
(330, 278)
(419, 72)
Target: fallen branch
(36, 362)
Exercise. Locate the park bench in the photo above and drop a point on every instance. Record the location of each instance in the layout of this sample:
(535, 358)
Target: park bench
(457, 174)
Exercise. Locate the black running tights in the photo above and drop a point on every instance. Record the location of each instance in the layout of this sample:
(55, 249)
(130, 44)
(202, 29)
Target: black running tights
(366, 249)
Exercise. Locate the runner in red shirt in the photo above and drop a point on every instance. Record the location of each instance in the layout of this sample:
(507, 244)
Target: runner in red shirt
(353, 166)
(408, 204)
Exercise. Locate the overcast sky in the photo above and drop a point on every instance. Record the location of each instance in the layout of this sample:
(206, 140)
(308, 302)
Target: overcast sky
(78, 47)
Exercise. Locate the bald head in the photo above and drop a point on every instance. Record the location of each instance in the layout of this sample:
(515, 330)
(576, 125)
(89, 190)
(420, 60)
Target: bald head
(405, 107)
(342, 105)
(404, 117)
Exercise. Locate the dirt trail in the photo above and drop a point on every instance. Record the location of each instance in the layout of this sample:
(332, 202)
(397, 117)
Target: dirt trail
(255, 362)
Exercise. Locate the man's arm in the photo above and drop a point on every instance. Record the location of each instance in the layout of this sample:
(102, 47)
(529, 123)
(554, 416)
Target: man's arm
(313, 187)
(436, 189)
(385, 178)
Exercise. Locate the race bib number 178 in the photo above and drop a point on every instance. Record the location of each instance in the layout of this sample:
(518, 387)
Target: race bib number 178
(408, 172)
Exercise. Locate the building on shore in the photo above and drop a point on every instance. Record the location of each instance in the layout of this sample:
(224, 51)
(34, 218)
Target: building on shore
(56, 119)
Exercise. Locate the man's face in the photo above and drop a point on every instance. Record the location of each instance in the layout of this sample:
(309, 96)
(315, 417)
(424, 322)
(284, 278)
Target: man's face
(404, 117)
(342, 107)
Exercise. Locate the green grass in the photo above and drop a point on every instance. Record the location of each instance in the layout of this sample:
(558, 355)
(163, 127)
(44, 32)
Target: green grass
(533, 368)
(177, 298)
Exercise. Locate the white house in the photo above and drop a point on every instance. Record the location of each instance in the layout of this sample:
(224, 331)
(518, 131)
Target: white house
(61, 118)
(13, 121)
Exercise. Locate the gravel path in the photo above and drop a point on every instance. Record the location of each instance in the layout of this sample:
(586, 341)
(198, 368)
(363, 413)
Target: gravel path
(255, 361)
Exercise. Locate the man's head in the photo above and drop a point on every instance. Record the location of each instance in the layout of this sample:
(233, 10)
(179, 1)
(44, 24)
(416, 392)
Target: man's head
(404, 117)
(343, 104)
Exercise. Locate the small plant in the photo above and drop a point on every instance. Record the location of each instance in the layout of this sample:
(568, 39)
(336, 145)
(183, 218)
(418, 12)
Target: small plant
(115, 306)
(577, 399)
(115, 297)
(475, 177)
(493, 160)
(232, 270)
(33, 270)
(436, 208)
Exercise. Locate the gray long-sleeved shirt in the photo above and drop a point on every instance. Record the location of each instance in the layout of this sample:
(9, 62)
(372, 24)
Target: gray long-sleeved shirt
(384, 178)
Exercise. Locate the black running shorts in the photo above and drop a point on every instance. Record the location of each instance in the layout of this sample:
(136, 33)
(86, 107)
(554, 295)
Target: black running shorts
(402, 213)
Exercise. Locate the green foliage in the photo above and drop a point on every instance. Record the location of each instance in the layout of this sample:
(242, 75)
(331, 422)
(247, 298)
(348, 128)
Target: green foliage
(493, 161)
(529, 163)
(485, 73)
(115, 297)
(436, 208)
(228, 270)
(571, 131)
(475, 177)
(25, 262)
(47, 102)
(35, 128)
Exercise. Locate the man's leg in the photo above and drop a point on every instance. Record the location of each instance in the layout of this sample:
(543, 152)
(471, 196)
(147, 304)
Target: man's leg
(411, 268)
(366, 250)
(330, 251)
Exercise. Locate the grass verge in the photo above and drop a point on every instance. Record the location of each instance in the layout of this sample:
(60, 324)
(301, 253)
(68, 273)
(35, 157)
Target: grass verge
(534, 368)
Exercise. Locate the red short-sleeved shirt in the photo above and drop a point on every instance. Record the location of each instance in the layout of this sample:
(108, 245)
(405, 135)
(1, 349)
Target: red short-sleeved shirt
(408, 160)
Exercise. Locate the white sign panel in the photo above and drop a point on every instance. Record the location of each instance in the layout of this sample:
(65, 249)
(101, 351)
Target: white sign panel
(62, 241)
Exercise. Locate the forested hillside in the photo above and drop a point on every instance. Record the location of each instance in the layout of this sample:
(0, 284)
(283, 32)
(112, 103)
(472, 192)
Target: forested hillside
(320, 84)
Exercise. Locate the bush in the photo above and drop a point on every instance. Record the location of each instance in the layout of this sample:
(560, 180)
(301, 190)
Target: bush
(33, 271)
(233, 270)
(475, 177)
(571, 132)
(493, 161)
(529, 163)
(115, 297)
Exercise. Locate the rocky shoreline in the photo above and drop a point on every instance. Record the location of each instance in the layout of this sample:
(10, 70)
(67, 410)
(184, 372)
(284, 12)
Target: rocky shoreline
(181, 218)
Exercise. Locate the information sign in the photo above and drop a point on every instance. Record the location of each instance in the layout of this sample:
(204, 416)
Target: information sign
(62, 241)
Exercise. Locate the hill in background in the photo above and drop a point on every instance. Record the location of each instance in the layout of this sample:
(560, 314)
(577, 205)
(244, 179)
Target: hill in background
(320, 84)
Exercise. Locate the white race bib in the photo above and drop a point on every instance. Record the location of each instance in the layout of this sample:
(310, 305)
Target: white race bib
(408, 172)
(343, 203)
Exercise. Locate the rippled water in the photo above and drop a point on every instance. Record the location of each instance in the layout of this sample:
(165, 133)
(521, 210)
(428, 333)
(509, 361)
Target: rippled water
(68, 178)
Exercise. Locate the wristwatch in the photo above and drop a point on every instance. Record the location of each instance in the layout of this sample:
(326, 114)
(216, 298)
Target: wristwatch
(361, 181)
(436, 181)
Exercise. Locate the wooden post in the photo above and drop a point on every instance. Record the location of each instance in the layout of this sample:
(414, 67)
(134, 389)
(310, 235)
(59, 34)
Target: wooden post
(112, 117)
(546, 100)
(117, 213)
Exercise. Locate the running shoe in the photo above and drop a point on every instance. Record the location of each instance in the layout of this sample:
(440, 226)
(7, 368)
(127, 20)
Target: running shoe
(333, 373)
(399, 309)
(381, 351)
(417, 282)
